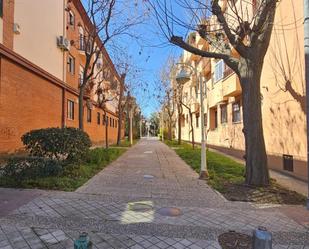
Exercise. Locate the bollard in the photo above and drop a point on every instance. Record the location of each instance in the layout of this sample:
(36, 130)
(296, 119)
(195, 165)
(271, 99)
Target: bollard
(83, 242)
(262, 239)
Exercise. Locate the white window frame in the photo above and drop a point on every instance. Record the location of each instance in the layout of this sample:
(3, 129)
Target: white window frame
(70, 110)
(219, 71)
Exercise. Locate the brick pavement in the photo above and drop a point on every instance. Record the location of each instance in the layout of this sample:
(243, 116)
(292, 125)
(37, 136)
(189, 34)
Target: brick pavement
(151, 175)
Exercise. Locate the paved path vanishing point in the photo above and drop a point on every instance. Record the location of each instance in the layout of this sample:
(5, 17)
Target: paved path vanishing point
(123, 207)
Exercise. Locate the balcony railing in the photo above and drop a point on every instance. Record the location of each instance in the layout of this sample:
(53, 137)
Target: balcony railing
(227, 72)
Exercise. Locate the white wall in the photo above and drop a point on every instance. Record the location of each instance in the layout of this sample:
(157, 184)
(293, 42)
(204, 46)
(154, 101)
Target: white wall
(41, 22)
(1, 30)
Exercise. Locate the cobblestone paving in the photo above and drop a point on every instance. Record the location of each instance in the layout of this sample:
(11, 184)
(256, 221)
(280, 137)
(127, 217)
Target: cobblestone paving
(104, 208)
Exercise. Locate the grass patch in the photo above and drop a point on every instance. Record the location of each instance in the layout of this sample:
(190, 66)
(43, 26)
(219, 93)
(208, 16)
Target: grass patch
(125, 143)
(73, 176)
(227, 177)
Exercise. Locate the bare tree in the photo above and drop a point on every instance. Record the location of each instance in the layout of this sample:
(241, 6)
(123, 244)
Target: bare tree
(239, 33)
(167, 97)
(108, 19)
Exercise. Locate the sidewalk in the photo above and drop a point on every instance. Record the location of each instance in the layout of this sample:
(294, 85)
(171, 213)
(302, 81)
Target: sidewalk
(124, 206)
(289, 182)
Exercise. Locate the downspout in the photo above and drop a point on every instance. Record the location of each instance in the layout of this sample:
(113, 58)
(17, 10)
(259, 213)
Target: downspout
(63, 119)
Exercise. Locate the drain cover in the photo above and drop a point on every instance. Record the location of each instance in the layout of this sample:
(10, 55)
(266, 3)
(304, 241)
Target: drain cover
(233, 240)
(169, 211)
(148, 176)
(140, 207)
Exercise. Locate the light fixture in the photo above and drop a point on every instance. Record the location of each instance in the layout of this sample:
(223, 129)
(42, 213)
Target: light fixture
(183, 77)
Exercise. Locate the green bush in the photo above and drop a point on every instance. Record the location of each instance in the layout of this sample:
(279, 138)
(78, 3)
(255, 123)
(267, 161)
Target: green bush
(57, 143)
(20, 168)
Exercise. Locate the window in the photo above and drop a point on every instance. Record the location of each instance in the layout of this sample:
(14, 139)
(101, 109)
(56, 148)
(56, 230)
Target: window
(219, 70)
(236, 112)
(213, 118)
(223, 114)
(88, 115)
(81, 75)
(81, 42)
(110, 122)
(71, 18)
(71, 64)
(103, 119)
(70, 111)
(99, 118)
(205, 119)
(1, 8)
(216, 119)
(197, 120)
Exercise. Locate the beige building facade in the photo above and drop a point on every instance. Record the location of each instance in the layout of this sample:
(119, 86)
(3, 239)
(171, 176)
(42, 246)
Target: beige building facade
(282, 93)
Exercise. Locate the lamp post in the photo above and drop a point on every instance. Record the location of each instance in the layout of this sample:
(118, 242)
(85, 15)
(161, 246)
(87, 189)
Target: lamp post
(306, 44)
(183, 77)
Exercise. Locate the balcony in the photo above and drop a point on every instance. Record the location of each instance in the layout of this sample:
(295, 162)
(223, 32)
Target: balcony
(206, 66)
(215, 95)
(230, 84)
(195, 107)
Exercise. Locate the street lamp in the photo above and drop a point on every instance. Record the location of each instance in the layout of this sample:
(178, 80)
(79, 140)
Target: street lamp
(183, 77)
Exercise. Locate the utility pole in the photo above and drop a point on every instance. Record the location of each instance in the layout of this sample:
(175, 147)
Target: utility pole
(204, 172)
(306, 43)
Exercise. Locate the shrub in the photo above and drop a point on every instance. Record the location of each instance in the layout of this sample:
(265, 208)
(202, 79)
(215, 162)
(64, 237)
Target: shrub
(57, 143)
(21, 168)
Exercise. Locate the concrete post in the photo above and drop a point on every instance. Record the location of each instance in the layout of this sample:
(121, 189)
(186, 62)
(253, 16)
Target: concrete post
(306, 43)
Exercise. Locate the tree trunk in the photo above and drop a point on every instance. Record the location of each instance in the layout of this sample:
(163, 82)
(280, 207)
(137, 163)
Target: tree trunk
(119, 127)
(256, 158)
(170, 129)
(179, 123)
(81, 108)
(106, 130)
(192, 129)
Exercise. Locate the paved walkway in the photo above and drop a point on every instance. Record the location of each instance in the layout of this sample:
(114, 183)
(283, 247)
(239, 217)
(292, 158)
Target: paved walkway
(123, 207)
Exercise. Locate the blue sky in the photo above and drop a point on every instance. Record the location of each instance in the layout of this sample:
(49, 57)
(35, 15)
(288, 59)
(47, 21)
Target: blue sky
(148, 54)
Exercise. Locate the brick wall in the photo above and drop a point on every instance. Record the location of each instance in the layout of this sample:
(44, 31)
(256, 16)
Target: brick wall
(31, 99)
(27, 102)
(8, 22)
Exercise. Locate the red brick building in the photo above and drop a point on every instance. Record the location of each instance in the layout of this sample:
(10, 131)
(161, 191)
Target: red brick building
(38, 85)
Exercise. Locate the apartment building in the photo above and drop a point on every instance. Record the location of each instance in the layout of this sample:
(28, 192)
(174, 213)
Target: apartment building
(42, 57)
(282, 93)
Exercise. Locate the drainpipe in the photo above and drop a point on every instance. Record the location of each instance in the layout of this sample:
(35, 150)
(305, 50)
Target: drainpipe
(63, 69)
(306, 43)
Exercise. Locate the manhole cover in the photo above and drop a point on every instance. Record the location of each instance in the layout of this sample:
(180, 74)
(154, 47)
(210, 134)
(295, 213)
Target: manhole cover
(169, 211)
(233, 240)
(148, 176)
(140, 207)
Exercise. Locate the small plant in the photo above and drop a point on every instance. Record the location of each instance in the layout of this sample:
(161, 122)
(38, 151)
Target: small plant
(20, 168)
(57, 143)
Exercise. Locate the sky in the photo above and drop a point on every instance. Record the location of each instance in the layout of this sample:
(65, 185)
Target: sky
(148, 54)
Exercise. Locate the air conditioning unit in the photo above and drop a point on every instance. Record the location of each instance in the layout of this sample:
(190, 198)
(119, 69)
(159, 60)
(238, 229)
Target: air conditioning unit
(16, 28)
(63, 43)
